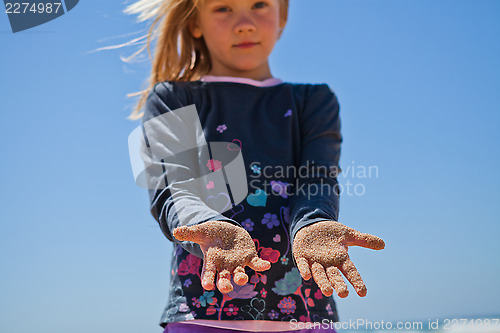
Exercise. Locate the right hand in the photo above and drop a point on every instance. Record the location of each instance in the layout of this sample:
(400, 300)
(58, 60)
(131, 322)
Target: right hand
(227, 249)
(320, 251)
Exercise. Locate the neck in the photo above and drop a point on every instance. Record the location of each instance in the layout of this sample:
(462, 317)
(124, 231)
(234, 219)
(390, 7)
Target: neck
(259, 74)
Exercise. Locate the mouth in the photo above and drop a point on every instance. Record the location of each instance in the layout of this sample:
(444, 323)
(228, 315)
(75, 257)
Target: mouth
(245, 45)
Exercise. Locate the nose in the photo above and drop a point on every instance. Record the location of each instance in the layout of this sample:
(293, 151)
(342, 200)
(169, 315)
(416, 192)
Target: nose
(244, 24)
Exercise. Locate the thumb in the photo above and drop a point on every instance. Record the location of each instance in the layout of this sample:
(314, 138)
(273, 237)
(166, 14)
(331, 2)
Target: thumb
(192, 234)
(259, 265)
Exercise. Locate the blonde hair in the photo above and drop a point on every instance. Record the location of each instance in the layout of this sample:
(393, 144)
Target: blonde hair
(178, 55)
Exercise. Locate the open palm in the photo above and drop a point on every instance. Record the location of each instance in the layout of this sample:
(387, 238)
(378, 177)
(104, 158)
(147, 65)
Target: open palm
(227, 249)
(320, 251)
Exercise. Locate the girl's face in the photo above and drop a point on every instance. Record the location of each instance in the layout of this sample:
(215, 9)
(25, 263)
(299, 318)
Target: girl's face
(239, 34)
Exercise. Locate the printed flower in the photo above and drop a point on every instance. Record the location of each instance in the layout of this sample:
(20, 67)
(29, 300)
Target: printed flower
(214, 165)
(248, 224)
(279, 187)
(273, 314)
(310, 301)
(319, 295)
(221, 128)
(211, 310)
(263, 293)
(269, 254)
(190, 265)
(231, 310)
(329, 309)
(270, 220)
(196, 302)
(207, 298)
(255, 279)
(284, 260)
(289, 284)
(255, 169)
(287, 305)
(187, 283)
(245, 292)
(258, 277)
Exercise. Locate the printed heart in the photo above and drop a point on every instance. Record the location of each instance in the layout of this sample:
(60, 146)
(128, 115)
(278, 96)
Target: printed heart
(258, 199)
(210, 185)
(258, 304)
(236, 210)
(231, 145)
(218, 201)
(277, 238)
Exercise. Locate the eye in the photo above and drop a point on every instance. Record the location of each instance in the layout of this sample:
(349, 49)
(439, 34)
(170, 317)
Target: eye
(260, 5)
(222, 9)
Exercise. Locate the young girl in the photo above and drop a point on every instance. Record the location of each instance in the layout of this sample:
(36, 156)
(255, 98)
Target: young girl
(232, 264)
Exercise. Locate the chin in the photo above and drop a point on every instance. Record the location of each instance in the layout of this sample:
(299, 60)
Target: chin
(247, 67)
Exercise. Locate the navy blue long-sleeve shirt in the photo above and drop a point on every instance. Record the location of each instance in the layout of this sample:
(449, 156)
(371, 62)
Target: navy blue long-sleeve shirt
(289, 139)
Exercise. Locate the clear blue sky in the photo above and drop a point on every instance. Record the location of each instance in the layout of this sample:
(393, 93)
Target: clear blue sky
(418, 85)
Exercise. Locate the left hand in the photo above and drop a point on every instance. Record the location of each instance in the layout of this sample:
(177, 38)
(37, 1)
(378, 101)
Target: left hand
(320, 250)
(227, 249)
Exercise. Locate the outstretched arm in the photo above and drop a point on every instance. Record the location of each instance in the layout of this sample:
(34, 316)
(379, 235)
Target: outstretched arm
(176, 158)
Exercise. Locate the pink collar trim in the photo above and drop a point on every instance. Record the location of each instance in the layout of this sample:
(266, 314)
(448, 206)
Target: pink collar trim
(266, 83)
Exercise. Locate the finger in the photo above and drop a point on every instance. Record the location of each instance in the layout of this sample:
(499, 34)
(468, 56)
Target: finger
(239, 276)
(319, 275)
(208, 275)
(337, 281)
(352, 274)
(357, 238)
(192, 234)
(303, 267)
(259, 265)
(224, 282)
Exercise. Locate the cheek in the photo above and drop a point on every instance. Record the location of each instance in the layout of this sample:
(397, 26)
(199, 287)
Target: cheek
(209, 24)
(215, 35)
(271, 32)
(271, 26)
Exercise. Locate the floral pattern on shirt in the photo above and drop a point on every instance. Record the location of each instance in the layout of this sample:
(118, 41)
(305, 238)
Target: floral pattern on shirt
(278, 294)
